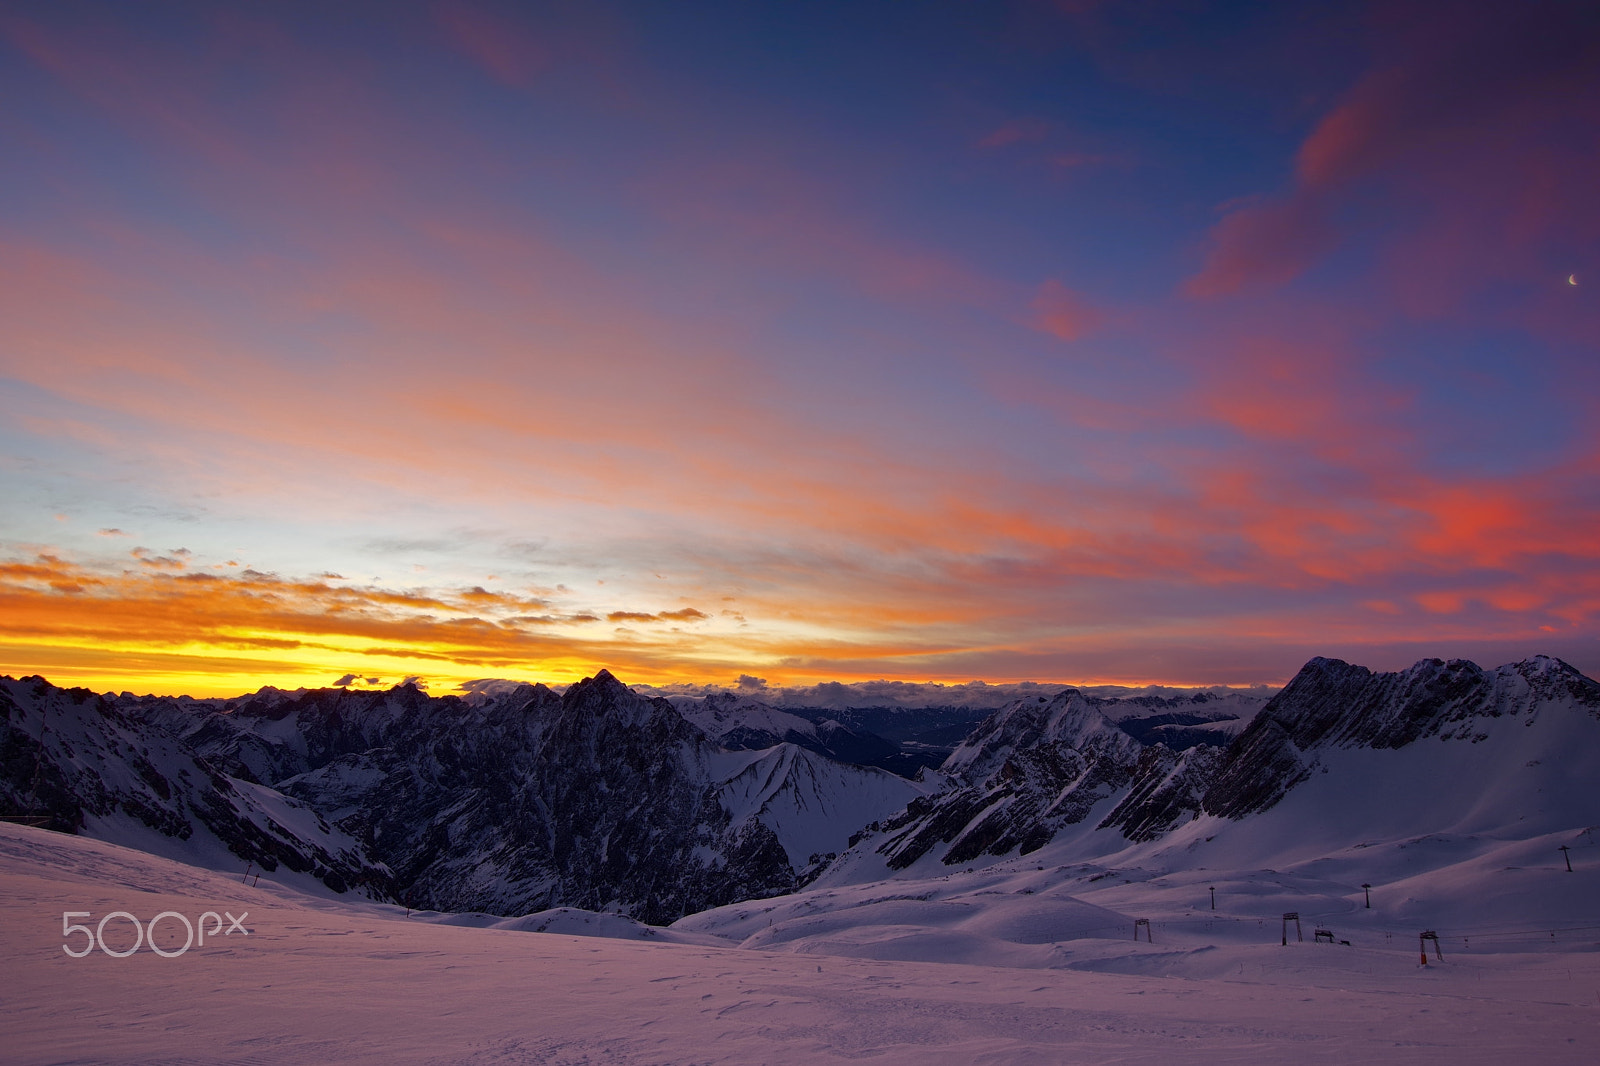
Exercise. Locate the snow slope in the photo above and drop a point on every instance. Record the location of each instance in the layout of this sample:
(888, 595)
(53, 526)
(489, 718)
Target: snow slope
(319, 980)
(813, 804)
(1457, 831)
(718, 716)
(1455, 822)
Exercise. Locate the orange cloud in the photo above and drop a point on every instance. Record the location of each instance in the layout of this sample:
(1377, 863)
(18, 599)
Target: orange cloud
(687, 614)
(208, 633)
(369, 345)
(630, 616)
(56, 611)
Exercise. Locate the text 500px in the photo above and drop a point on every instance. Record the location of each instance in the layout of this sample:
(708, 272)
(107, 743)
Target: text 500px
(97, 935)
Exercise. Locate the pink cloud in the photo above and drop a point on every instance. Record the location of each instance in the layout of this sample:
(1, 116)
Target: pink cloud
(506, 51)
(473, 360)
(757, 209)
(1065, 314)
(1016, 131)
(1268, 243)
(1075, 160)
(1459, 104)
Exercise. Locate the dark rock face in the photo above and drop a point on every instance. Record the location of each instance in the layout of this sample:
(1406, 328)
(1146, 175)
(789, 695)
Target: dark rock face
(1331, 703)
(598, 798)
(1166, 790)
(1258, 771)
(1024, 773)
(74, 757)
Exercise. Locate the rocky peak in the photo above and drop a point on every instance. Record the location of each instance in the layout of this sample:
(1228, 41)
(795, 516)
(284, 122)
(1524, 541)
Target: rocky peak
(83, 762)
(602, 707)
(1032, 767)
(1067, 720)
(1549, 678)
(603, 694)
(1331, 703)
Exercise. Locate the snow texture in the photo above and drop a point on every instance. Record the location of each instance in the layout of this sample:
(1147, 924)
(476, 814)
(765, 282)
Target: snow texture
(319, 980)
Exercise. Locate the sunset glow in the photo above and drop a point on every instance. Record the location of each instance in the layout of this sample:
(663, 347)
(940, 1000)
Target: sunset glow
(1079, 342)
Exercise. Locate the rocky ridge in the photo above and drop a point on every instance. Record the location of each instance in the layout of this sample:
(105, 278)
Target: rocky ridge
(80, 763)
(1040, 765)
(519, 799)
(597, 798)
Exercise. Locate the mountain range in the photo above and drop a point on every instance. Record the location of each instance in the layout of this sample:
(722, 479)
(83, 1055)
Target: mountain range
(1043, 768)
(597, 798)
(521, 799)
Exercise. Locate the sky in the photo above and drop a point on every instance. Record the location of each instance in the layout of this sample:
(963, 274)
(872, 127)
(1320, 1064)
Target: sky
(1087, 341)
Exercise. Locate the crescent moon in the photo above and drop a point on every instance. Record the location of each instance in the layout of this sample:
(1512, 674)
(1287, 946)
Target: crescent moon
(1572, 279)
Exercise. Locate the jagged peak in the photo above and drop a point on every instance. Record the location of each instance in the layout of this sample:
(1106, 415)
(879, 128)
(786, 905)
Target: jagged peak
(1544, 664)
(602, 686)
(1331, 701)
(1319, 667)
(1322, 666)
(1068, 718)
(38, 687)
(1554, 678)
(604, 699)
(1064, 716)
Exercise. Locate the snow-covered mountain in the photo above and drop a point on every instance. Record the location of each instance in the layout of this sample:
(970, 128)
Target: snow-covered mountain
(1028, 770)
(1510, 744)
(741, 723)
(813, 804)
(1333, 705)
(1183, 719)
(598, 798)
(77, 760)
(520, 800)
(1441, 798)
(731, 719)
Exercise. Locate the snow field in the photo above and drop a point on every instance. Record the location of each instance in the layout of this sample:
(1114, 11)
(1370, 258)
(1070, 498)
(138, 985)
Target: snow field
(321, 979)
